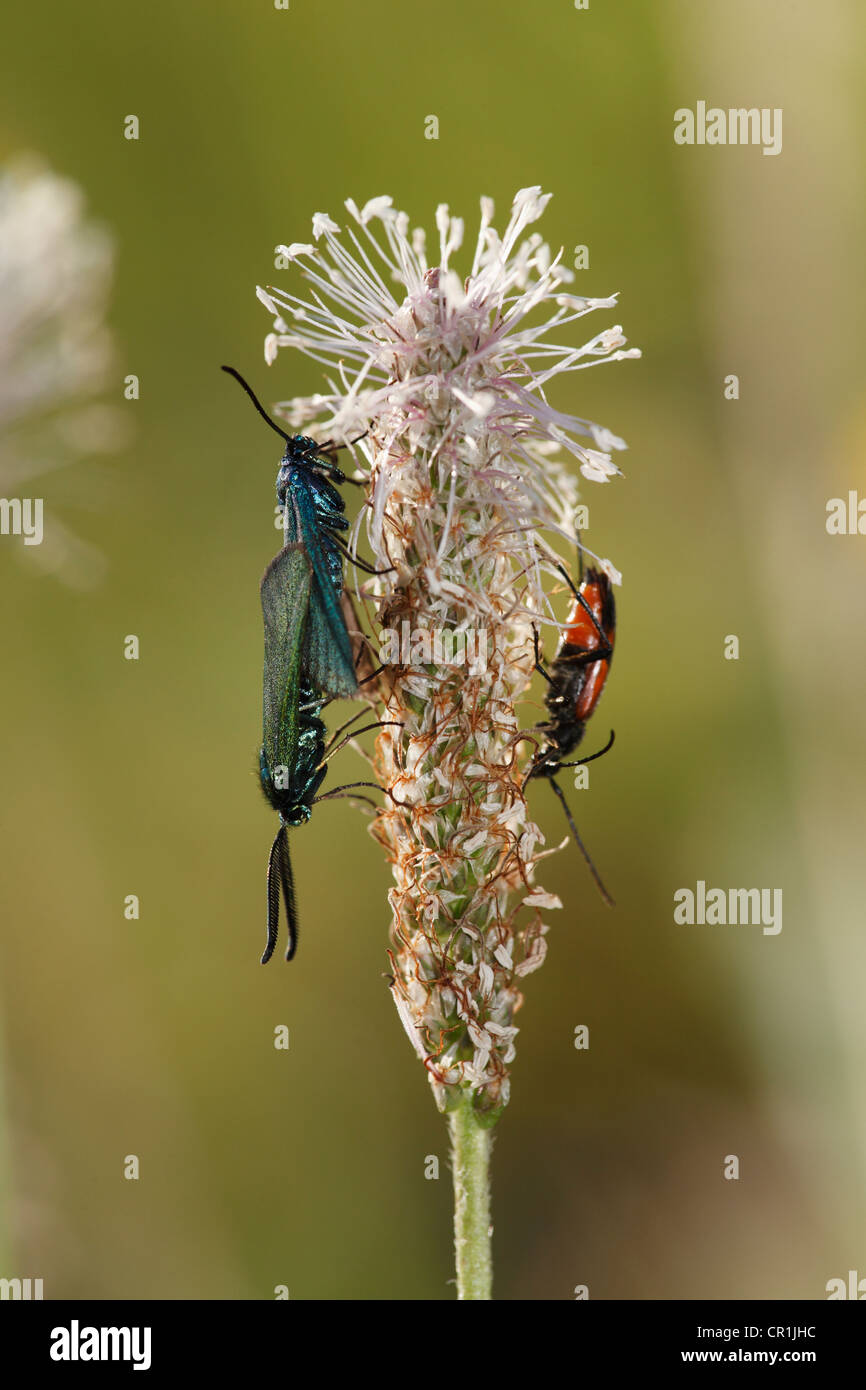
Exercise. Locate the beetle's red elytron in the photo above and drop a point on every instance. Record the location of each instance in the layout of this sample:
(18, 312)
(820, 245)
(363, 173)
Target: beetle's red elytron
(575, 681)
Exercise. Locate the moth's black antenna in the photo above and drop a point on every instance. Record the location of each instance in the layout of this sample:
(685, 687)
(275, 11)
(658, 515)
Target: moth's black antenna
(280, 878)
(288, 886)
(273, 897)
(257, 403)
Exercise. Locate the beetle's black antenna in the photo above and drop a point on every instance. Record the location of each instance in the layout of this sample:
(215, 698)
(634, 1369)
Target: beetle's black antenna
(257, 403)
(581, 846)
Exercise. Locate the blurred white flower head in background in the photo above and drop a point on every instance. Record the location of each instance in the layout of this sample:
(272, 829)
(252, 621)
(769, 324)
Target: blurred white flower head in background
(55, 353)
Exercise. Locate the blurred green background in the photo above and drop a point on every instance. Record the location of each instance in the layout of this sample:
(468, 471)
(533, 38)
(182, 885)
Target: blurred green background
(154, 1038)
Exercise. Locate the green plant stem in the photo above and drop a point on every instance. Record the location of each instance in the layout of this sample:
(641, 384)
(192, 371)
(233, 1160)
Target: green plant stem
(470, 1156)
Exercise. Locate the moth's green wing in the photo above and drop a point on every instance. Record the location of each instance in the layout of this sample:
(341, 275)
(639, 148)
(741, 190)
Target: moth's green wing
(285, 607)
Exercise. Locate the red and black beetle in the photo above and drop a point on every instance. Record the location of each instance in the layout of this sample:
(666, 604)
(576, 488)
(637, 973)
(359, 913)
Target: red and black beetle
(575, 681)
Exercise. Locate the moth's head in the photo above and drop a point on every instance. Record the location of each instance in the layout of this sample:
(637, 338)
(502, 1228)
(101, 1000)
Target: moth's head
(283, 800)
(301, 451)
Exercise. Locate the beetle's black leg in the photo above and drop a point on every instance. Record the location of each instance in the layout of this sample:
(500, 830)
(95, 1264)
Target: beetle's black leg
(592, 756)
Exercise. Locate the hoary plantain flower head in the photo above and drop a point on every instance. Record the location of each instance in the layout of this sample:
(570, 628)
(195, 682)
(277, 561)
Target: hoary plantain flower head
(447, 377)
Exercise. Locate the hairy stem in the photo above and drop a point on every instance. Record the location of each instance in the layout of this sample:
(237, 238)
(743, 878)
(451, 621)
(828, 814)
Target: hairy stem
(470, 1155)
